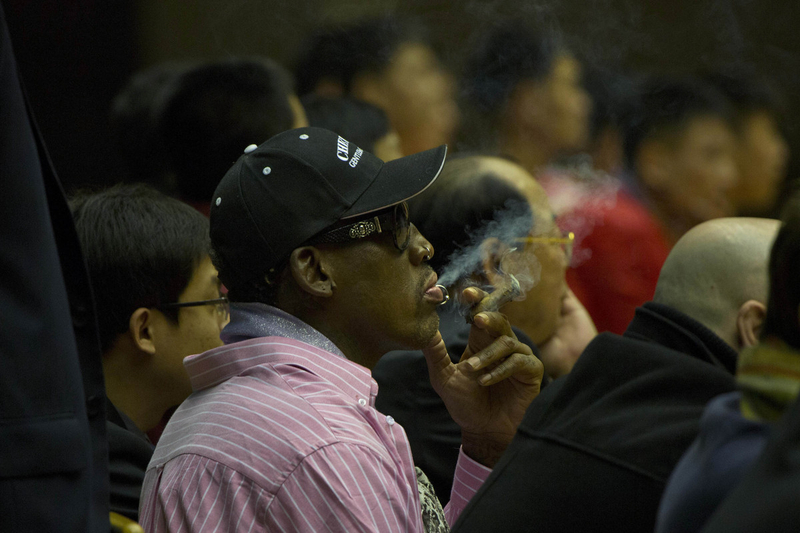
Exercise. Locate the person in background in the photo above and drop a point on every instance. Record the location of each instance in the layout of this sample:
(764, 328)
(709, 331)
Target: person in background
(390, 64)
(158, 300)
(491, 214)
(762, 153)
(133, 119)
(362, 123)
(680, 167)
(596, 447)
(214, 111)
(523, 98)
(736, 426)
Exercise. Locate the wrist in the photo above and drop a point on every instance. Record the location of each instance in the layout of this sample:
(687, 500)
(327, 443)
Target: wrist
(484, 449)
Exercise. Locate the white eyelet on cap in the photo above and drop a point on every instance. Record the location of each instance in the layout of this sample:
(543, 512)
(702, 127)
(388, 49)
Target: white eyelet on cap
(362, 402)
(304, 136)
(219, 200)
(250, 148)
(266, 170)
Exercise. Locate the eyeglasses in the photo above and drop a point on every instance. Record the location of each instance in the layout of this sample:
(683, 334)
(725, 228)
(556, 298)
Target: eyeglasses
(222, 306)
(567, 240)
(394, 220)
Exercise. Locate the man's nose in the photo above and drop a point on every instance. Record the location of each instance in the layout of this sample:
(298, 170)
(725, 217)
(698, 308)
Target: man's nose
(420, 249)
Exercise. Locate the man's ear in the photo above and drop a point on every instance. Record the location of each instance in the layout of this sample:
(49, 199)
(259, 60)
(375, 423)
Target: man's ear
(310, 272)
(749, 321)
(140, 328)
(653, 165)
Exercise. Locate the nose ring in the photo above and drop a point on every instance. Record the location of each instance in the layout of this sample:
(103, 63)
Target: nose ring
(427, 255)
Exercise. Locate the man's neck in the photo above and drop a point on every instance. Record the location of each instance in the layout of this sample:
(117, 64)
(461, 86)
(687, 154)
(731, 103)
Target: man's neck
(131, 393)
(531, 154)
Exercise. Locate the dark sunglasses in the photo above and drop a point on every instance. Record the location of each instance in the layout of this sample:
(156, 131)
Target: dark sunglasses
(394, 220)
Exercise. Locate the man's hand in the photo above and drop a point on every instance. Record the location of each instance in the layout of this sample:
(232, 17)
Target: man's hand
(489, 390)
(575, 330)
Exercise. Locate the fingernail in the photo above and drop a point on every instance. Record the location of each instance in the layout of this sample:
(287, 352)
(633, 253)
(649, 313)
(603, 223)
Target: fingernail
(474, 362)
(484, 379)
(483, 318)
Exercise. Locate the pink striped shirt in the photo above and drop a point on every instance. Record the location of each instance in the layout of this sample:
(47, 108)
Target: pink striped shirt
(281, 435)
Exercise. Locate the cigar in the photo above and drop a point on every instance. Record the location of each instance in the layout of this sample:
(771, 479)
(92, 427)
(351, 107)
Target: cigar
(496, 299)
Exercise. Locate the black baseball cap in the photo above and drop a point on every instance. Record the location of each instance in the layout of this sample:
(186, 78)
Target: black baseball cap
(297, 184)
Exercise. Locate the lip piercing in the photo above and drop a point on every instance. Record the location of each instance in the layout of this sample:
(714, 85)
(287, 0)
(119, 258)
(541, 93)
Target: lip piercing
(445, 293)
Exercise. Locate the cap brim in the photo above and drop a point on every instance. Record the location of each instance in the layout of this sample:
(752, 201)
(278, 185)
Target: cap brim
(400, 180)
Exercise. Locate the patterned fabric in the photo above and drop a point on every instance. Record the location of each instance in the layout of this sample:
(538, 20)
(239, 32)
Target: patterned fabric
(281, 435)
(432, 513)
(769, 377)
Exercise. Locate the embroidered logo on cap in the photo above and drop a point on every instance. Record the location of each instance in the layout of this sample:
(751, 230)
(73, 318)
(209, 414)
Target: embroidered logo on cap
(342, 149)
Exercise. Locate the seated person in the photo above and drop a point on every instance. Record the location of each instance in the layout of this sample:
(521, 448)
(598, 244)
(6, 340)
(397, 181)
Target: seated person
(215, 110)
(311, 237)
(679, 153)
(594, 450)
(736, 426)
(360, 122)
(158, 300)
(389, 63)
(762, 153)
(486, 217)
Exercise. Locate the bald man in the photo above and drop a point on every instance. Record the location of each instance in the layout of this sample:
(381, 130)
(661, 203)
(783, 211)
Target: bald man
(595, 449)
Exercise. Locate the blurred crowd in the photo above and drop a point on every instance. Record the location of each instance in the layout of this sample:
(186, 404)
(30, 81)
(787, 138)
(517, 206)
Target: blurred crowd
(642, 372)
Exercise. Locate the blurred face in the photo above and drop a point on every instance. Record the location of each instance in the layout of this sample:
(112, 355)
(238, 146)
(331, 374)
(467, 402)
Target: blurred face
(197, 331)
(538, 314)
(701, 170)
(557, 108)
(761, 156)
(419, 98)
(382, 292)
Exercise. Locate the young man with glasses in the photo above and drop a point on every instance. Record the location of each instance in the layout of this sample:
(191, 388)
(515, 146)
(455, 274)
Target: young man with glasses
(158, 300)
(326, 274)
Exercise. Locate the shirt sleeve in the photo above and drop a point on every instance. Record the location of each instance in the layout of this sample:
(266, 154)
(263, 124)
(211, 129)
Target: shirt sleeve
(346, 487)
(469, 477)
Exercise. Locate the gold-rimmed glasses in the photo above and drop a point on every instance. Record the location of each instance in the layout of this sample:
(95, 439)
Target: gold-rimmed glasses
(567, 240)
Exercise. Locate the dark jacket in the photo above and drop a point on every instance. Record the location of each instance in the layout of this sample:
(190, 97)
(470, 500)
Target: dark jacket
(53, 450)
(405, 393)
(129, 453)
(594, 450)
(725, 449)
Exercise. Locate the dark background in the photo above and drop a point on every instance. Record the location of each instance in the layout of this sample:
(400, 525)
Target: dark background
(76, 54)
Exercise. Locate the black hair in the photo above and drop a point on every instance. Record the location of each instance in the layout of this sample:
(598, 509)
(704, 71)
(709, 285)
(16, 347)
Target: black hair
(133, 120)
(508, 54)
(748, 93)
(141, 248)
(665, 106)
(341, 53)
(215, 110)
(611, 93)
(784, 283)
(358, 122)
(464, 199)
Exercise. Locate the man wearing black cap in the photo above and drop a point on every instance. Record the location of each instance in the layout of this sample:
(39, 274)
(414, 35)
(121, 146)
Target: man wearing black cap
(326, 274)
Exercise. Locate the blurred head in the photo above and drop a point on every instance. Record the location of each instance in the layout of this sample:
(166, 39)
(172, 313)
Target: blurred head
(717, 274)
(361, 123)
(783, 311)
(314, 225)
(215, 110)
(134, 125)
(497, 205)
(762, 152)
(680, 144)
(389, 64)
(526, 86)
(145, 253)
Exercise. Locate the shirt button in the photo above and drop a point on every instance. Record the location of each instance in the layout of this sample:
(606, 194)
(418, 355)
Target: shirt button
(362, 402)
(389, 420)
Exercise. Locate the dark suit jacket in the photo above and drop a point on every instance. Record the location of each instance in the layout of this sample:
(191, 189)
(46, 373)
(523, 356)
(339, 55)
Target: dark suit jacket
(53, 453)
(405, 393)
(129, 453)
(594, 450)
